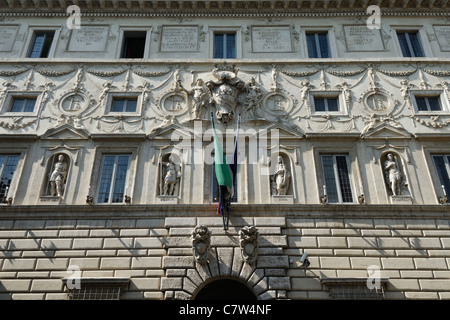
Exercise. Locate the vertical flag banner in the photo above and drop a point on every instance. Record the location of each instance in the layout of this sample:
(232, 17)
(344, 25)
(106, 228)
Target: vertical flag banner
(225, 175)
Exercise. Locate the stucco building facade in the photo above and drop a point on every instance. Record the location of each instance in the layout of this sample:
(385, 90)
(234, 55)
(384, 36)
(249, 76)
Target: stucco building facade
(107, 171)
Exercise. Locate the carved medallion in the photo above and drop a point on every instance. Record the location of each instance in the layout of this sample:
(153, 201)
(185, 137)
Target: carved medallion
(378, 102)
(74, 102)
(174, 103)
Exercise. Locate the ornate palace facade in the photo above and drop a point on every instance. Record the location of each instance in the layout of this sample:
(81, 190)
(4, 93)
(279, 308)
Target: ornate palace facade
(106, 152)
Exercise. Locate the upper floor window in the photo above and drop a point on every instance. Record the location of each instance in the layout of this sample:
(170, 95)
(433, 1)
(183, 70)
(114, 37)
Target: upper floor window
(442, 165)
(113, 177)
(20, 104)
(8, 164)
(431, 103)
(41, 44)
(318, 45)
(133, 45)
(410, 43)
(128, 104)
(225, 45)
(329, 104)
(336, 172)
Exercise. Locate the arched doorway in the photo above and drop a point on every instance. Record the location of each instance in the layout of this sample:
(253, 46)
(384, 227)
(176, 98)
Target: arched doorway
(225, 289)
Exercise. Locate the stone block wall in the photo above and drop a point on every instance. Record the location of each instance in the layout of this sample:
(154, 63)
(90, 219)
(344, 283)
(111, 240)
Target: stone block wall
(411, 247)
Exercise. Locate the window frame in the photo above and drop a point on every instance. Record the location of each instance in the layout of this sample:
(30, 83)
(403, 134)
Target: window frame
(124, 95)
(336, 177)
(31, 36)
(7, 194)
(221, 30)
(9, 100)
(331, 40)
(120, 43)
(113, 176)
(20, 151)
(446, 157)
(422, 36)
(443, 100)
(342, 105)
(112, 148)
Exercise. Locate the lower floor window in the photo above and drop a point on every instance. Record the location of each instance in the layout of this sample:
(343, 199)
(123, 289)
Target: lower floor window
(113, 178)
(8, 164)
(442, 164)
(337, 178)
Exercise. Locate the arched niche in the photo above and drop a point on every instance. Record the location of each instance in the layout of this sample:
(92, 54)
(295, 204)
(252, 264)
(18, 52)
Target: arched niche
(56, 175)
(169, 177)
(394, 175)
(281, 178)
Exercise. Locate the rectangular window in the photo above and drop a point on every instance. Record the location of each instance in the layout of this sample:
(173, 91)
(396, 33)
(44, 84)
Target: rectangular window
(133, 44)
(442, 164)
(124, 105)
(410, 44)
(337, 178)
(224, 45)
(41, 44)
(326, 104)
(113, 178)
(215, 191)
(8, 164)
(428, 103)
(317, 44)
(22, 104)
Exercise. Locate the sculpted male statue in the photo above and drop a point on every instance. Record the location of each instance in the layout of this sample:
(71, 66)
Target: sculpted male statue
(171, 178)
(58, 177)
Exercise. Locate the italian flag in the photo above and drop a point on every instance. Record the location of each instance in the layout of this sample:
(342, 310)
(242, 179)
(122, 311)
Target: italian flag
(225, 173)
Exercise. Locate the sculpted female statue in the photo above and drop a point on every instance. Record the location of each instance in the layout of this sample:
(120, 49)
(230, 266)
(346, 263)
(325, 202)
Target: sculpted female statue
(281, 178)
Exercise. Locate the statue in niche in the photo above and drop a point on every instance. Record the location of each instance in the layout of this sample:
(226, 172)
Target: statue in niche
(393, 175)
(280, 180)
(200, 99)
(58, 177)
(252, 99)
(171, 177)
(201, 242)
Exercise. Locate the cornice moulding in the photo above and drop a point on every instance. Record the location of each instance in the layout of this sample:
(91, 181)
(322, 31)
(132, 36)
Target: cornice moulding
(41, 11)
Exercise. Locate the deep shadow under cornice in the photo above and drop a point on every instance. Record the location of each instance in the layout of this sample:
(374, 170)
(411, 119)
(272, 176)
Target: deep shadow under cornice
(210, 210)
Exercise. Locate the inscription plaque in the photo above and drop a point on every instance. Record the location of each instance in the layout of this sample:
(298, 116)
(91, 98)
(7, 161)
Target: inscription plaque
(361, 38)
(88, 39)
(7, 37)
(443, 37)
(179, 39)
(271, 39)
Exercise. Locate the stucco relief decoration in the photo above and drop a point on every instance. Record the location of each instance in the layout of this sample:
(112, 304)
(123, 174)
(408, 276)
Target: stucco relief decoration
(201, 244)
(224, 92)
(199, 99)
(174, 103)
(248, 240)
(378, 102)
(252, 100)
